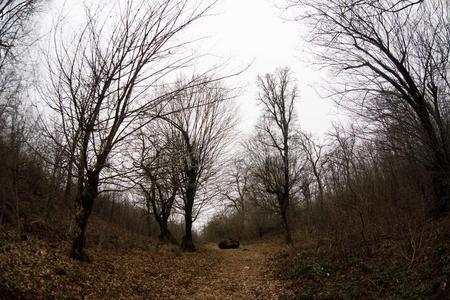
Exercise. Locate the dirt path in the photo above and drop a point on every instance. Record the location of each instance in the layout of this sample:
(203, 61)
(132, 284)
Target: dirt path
(240, 274)
(37, 269)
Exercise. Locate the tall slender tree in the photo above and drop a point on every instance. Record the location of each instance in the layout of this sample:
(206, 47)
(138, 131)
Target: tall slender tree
(276, 161)
(108, 78)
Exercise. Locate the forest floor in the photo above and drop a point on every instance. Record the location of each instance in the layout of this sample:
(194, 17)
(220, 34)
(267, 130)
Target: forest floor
(242, 273)
(40, 269)
(128, 266)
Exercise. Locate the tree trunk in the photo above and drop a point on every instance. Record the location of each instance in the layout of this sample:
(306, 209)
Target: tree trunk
(84, 204)
(68, 188)
(186, 243)
(441, 166)
(165, 234)
(3, 208)
(242, 230)
(16, 201)
(287, 227)
(441, 187)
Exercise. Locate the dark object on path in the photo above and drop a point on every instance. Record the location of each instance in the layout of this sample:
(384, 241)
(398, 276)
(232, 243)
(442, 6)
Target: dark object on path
(229, 244)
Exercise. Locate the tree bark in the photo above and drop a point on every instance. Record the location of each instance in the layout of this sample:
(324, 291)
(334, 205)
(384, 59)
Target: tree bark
(68, 188)
(3, 209)
(242, 231)
(286, 225)
(84, 204)
(165, 234)
(187, 243)
(441, 187)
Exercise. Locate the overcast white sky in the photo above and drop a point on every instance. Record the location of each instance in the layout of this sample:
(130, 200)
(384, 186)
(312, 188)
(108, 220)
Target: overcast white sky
(245, 31)
(253, 30)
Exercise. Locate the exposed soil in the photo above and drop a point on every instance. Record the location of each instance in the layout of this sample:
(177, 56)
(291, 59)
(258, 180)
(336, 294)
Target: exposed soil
(241, 273)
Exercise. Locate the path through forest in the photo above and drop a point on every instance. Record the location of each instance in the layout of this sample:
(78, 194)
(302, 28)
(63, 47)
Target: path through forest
(241, 274)
(41, 269)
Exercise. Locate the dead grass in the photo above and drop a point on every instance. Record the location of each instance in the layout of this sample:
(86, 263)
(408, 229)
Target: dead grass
(40, 269)
(413, 265)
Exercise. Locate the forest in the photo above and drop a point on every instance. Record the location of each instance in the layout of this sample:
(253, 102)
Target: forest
(123, 165)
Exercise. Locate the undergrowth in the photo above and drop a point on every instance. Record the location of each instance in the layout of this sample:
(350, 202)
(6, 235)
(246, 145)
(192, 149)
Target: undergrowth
(321, 273)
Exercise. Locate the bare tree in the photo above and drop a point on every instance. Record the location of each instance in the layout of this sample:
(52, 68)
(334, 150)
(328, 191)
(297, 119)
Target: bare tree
(159, 172)
(236, 190)
(314, 154)
(15, 17)
(397, 50)
(203, 116)
(15, 30)
(276, 162)
(107, 79)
